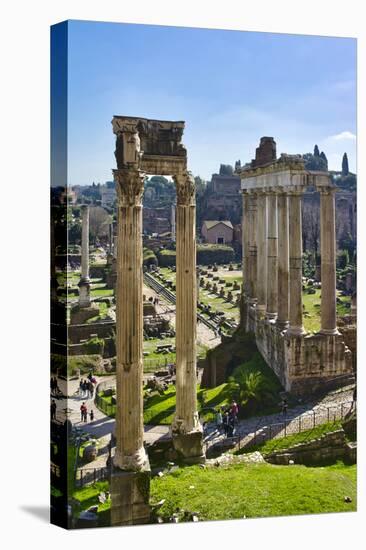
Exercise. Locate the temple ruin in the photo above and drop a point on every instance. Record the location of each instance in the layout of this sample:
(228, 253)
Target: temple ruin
(272, 308)
(150, 147)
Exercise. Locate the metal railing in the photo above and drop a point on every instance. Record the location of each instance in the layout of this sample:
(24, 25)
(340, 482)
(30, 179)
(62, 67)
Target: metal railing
(87, 476)
(291, 425)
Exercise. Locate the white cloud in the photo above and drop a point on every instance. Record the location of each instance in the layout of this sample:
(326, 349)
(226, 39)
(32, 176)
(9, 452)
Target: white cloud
(343, 135)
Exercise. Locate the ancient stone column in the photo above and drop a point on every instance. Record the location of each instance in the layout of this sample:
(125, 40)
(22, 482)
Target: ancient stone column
(130, 454)
(84, 283)
(110, 238)
(172, 222)
(186, 429)
(296, 327)
(283, 262)
(245, 243)
(252, 267)
(261, 253)
(328, 261)
(272, 256)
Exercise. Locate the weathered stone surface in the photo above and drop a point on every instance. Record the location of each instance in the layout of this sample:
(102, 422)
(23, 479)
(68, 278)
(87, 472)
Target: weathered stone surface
(130, 494)
(327, 448)
(303, 363)
(189, 447)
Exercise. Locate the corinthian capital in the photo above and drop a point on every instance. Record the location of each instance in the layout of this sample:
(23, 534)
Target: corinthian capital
(185, 187)
(129, 186)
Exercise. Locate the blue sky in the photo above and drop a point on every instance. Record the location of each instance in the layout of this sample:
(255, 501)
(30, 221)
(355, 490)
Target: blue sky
(231, 88)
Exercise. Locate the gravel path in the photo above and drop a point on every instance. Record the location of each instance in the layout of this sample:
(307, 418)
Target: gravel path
(333, 406)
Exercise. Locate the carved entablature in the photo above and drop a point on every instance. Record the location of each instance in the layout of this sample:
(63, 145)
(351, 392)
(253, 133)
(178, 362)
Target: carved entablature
(140, 138)
(154, 146)
(285, 174)
(185, 189)
(129, 186)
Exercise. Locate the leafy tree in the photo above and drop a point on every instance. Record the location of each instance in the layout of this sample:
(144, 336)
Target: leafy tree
(322, 155)
(226, 170)
(250, 387)
(342, 259)
(99, 221)
(345, 169)
(347, 242)
(315, 162)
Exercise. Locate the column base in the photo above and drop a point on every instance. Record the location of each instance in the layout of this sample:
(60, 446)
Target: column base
(189, 445)
(295, 331)
(282, 325)
(329, 331)
(137, 462)
(130, 495)
(260, 312)
(271, 317)
(84, 293)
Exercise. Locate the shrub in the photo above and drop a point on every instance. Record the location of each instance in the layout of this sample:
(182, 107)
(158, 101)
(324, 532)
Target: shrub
(166, 257)
(149, 257)
(342, 259)
(94, 346)
(214, 254)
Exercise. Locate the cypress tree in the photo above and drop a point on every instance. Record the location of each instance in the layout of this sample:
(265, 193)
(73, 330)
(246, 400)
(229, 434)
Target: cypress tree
(345, 169)
(322, 155)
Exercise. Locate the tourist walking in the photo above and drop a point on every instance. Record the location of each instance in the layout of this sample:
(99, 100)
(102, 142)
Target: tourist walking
(83, 412)
(225, 422)
(219, 420)
(284, 406)
(234, 410)
(91, 414)
(231, 425)
(53, 409)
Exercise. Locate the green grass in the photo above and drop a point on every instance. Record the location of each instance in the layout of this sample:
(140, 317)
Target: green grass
(287, 442)
(155, 360)
(100, 289)
(160, 408)
(218, 304)
(256, 490)
(88, 496)
(103, 312)
(312, 303)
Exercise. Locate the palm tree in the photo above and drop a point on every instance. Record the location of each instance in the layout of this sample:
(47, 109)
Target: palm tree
(249, 387)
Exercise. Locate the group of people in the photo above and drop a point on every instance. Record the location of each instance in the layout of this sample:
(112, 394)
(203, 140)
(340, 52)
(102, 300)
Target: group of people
(84, 413)
(86, 387)
(226, 419)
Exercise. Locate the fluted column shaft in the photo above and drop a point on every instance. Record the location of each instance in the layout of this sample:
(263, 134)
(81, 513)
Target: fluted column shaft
(245, 243)
(261, 252)
(84, 283)
(85, 243)
(272, 257)
(328, 261)
(252, 267)
(186, 417)
(283, 261)
(296, 327)
(130, 453)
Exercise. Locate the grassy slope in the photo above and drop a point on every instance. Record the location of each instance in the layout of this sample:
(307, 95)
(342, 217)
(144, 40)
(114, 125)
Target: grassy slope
(256, 490)
(159, 409)
(287, 442)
